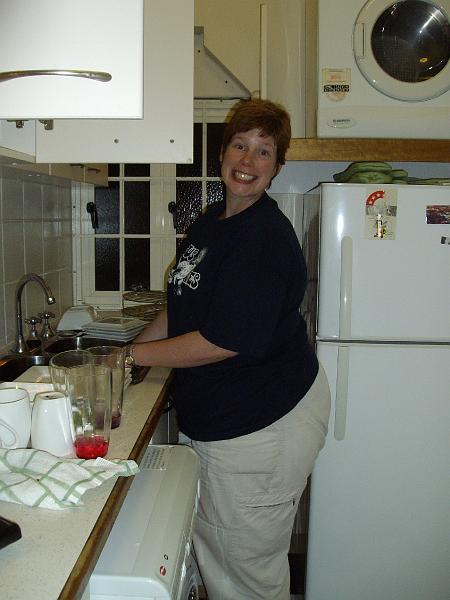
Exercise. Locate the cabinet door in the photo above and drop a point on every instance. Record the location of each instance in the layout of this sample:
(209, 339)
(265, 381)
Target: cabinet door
(165, 133)
(83, 39)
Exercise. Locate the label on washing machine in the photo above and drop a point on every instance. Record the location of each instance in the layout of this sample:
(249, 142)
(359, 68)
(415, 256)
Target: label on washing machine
(336, 83)
(341, 122)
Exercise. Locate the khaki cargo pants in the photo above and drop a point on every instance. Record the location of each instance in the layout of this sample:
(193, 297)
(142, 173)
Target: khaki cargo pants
(250, 490)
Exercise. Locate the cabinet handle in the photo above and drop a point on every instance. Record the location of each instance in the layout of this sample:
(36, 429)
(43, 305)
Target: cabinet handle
(96, 75)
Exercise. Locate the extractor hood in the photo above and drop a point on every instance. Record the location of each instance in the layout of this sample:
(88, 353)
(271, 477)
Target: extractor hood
(211, 78)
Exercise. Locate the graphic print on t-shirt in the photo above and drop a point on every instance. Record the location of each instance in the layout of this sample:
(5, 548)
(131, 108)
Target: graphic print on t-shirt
(184, 272)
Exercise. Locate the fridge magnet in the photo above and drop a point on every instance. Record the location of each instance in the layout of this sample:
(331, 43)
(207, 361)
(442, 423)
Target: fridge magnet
(380, 214)
(438, 214)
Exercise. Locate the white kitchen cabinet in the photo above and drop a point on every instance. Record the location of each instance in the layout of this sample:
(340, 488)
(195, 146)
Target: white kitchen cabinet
(165, 133)
(97, 45)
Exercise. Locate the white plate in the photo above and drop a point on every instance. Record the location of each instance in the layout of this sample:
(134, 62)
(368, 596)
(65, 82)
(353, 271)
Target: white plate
(115, 337)
(119, 324)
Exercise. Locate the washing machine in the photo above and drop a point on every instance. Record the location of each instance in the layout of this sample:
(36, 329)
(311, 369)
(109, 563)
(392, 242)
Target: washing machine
(384, 69)
(149, 552)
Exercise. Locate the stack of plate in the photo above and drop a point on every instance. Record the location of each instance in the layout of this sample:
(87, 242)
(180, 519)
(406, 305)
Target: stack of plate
(143, 305)
(121, 329)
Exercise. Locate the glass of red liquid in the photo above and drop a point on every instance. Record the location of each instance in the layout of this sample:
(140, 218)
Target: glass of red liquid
(89, 389)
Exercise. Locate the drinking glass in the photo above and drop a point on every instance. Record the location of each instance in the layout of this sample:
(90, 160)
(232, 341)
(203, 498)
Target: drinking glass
(112, 357)
(60, 363)
(88, 387)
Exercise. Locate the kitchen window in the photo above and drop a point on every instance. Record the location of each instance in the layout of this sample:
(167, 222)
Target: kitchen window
(142, 214)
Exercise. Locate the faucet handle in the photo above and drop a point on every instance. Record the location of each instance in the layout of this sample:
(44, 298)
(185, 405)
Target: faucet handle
(33, 320)
(47, 315)
(47, 331)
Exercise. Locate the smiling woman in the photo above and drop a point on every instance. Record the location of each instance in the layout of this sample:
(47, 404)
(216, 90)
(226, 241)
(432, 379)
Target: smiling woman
(247, 386)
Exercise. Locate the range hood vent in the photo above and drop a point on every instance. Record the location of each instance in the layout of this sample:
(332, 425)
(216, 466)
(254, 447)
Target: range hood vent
(212, 81)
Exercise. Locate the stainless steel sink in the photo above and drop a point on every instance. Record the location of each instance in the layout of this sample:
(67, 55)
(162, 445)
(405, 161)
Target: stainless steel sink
(55, 346)
(13, 365)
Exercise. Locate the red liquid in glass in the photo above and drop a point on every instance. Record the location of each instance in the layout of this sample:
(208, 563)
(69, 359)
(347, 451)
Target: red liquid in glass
(91, 446)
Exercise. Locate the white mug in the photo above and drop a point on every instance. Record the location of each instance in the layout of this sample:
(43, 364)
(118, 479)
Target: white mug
(15, 418)
(52, 425)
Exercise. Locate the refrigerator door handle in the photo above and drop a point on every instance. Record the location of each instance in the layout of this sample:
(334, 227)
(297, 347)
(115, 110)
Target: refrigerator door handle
(340, 406)
(345, 307)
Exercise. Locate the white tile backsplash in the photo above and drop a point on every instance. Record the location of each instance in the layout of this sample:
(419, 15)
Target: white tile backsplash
(35, 236)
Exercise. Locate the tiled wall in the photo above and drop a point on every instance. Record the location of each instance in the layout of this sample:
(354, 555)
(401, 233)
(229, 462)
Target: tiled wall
(35, 236)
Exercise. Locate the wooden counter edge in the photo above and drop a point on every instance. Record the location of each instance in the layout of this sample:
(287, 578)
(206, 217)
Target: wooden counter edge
(79, 577)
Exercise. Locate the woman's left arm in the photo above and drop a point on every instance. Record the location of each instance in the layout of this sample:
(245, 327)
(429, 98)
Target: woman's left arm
(187, 350)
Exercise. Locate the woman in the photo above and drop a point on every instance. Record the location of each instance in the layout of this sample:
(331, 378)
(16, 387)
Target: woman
(248, 388)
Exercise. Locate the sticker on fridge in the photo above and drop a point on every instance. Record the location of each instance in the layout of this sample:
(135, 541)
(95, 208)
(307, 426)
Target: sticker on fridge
(380, 214)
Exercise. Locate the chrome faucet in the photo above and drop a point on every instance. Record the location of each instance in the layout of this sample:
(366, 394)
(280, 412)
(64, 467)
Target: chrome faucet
(20, 345)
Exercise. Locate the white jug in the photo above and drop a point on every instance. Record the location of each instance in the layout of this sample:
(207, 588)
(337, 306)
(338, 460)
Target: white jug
(52, 425)
(15, 418)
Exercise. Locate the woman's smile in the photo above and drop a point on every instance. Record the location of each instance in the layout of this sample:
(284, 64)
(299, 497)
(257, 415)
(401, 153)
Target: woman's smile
(243, 176)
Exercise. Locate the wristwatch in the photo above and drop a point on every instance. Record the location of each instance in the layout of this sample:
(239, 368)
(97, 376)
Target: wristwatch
(129, 358)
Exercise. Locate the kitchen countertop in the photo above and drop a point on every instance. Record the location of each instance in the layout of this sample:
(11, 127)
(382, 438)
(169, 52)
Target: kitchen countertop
(59, 548)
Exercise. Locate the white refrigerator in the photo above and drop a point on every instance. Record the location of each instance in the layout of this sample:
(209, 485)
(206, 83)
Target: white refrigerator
(379, 299)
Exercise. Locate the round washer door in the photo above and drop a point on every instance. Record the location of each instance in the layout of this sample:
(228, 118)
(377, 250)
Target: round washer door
(403, 48)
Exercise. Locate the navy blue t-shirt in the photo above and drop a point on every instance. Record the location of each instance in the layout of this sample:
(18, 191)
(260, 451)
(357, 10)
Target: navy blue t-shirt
(240, 282)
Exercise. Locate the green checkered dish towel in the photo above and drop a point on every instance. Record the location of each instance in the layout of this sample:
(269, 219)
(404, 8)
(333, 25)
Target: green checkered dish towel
(37, 478)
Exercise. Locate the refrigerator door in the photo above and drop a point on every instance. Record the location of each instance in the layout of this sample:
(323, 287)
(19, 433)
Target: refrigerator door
(379, 519)
(384, 271)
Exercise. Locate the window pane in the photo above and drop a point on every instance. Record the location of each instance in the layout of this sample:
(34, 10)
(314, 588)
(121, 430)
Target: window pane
(108, 208)
(214, 192)
(189, 204)
(107, 265)
(194, 169)
(113, 170)
(138, 170)
(137, 265)
(137, 206)
(214, 135)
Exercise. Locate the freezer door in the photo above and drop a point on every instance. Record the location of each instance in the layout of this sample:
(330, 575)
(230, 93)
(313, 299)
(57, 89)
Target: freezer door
(396, 286)
(379, 520)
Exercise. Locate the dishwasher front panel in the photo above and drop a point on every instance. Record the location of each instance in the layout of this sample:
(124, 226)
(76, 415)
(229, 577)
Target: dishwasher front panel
(148, 551)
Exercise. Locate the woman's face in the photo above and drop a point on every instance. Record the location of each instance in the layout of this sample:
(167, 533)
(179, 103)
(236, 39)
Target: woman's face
(249, 163)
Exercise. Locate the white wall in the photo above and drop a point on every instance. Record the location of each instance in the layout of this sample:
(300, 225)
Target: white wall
(35, 236)
(297, 177)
